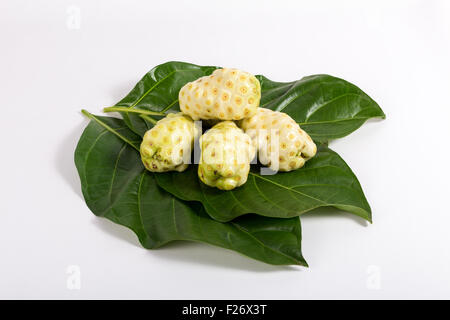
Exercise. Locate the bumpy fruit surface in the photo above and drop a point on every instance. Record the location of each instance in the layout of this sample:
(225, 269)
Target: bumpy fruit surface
(227, 94)
(281, 143)
(168, 145)
(226, 153)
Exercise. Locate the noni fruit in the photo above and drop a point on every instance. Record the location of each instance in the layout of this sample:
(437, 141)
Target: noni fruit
(282, 144)
(227, 94)
(168, 145)
(226, 153)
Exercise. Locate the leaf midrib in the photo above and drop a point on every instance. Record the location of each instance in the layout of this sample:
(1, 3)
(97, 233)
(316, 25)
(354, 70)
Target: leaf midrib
(114, 171)
(331, 101)
(139, 204)
(157, 83)
(287, 188)
(333, 121)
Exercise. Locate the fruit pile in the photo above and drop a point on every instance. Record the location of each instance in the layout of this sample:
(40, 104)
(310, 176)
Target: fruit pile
(186, 133)
(242, 130)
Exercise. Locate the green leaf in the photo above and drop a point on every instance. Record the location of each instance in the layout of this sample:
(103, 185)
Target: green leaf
(325, 181)
(115, 185)
(324, 106)
(158, 91)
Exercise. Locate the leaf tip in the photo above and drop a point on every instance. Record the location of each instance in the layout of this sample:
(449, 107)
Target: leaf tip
(303, 263)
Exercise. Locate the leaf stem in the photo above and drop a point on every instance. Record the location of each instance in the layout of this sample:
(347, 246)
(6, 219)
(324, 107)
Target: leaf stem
(104, 125)
(125, 109)
(170, 105)
(148, 118)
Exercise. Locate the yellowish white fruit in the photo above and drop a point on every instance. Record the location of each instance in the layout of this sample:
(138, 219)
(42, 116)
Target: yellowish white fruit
(168, 145)
(227, 94)
(282, 144)
(226, 153)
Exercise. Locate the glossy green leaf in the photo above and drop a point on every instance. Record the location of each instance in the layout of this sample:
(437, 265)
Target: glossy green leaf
(115, 185)
(324, 106)
(325, 181)
(158, 91)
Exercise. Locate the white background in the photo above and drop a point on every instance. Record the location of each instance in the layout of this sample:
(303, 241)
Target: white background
(52, 64)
